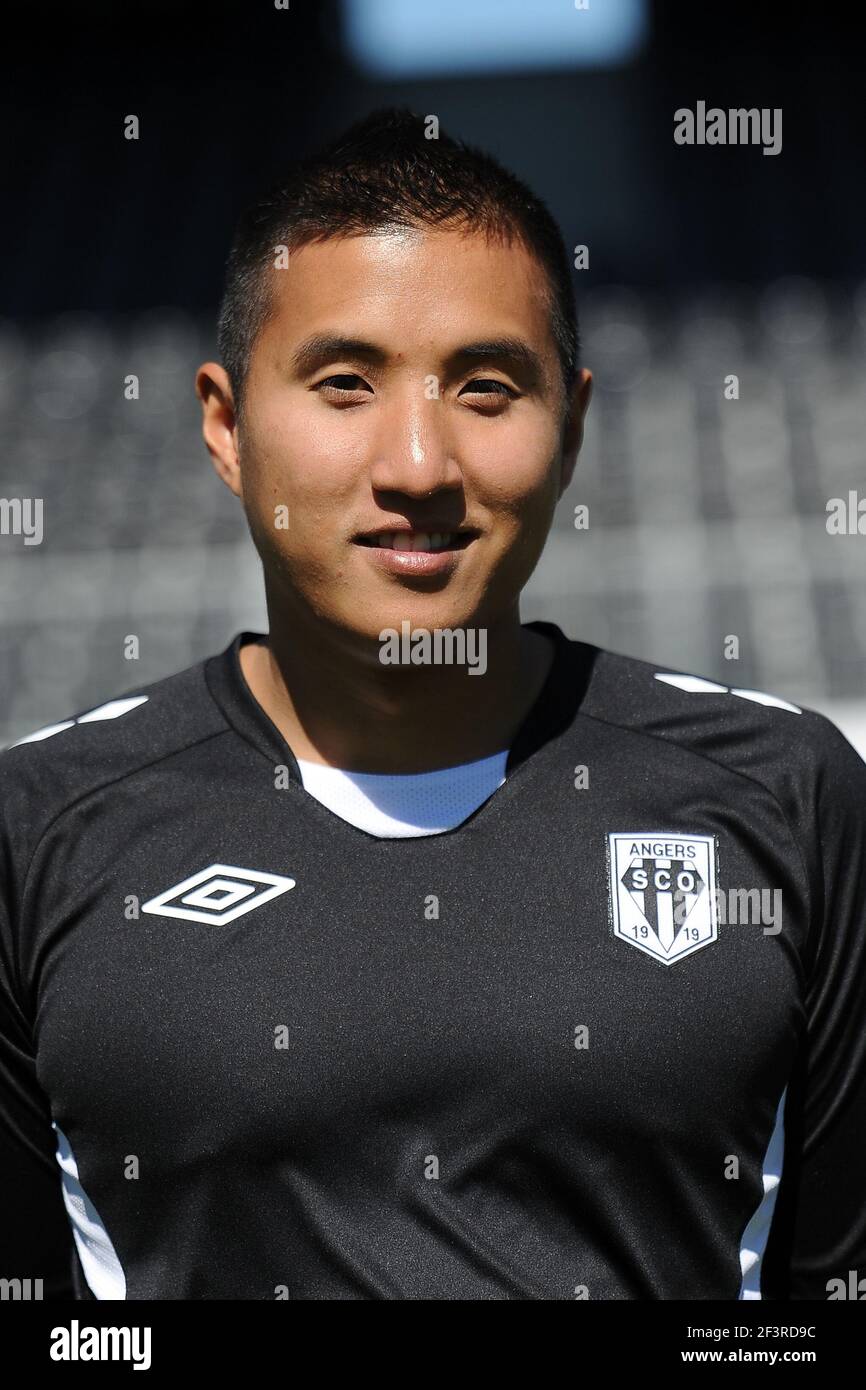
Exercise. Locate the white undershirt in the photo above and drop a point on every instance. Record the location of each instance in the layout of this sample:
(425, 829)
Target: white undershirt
(398, 805)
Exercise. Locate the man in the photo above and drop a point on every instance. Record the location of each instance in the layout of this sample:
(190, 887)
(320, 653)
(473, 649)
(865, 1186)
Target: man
(407, 951)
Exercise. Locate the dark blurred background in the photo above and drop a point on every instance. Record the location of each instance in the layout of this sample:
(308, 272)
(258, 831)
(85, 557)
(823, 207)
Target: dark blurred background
(707, 516)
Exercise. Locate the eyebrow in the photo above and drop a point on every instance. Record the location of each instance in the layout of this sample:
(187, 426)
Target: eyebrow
(322, 348)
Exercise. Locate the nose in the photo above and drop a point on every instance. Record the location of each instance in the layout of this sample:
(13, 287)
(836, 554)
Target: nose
(414, 449)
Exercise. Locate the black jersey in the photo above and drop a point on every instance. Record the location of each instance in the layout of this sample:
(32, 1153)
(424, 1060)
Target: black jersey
(604, 1039)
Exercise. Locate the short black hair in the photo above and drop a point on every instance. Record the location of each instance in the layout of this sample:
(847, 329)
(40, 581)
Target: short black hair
(384, 171)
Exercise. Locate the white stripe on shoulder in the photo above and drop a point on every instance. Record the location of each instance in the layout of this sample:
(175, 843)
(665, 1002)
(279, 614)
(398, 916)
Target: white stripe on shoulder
(697, 685)
(112, 709)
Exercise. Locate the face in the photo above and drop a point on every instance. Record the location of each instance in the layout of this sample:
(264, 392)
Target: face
(406, 436)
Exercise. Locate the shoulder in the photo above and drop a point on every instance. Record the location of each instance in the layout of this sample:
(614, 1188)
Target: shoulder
(792, 749)
(53, 767)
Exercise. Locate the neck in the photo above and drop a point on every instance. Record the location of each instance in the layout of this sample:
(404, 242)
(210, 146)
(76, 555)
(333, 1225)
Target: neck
(336, 704)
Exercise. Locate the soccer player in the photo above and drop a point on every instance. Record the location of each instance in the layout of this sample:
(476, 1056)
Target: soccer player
(408, 951)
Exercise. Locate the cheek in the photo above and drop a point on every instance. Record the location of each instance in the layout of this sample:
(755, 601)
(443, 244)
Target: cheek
(304, 460)
(513, 468)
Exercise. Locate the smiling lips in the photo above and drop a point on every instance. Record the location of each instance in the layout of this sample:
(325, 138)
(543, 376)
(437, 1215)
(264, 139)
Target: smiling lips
(418, 540)
(417, 554)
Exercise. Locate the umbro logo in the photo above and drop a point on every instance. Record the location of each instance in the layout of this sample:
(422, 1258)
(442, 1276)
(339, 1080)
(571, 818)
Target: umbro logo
(218, 894)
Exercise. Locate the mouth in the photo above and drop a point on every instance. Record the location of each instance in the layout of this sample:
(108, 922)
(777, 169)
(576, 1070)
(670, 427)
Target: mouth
(418, 556)
(420, 541)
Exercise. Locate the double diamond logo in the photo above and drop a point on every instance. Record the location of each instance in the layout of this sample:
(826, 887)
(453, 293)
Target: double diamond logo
(218, 894)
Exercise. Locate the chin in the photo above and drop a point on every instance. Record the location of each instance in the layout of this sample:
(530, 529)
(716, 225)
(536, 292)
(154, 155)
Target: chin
(419, 614)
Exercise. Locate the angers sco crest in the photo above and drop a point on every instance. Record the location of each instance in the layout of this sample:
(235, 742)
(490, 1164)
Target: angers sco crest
(663, 892)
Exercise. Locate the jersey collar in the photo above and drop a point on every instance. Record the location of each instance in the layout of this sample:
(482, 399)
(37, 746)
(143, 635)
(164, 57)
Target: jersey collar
(554, 709)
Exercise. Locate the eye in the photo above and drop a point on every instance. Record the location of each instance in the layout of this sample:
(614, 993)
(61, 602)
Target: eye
(350, 383)
(498, 394)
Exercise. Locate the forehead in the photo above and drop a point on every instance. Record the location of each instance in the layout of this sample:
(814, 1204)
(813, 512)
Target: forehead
(413, 286)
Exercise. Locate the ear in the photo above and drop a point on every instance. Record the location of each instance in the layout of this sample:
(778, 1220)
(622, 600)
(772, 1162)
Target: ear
(572, 429)
(219, 423)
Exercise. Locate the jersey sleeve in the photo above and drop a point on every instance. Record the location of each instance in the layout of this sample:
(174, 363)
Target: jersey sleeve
(35, 1234)
(823, 1194)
